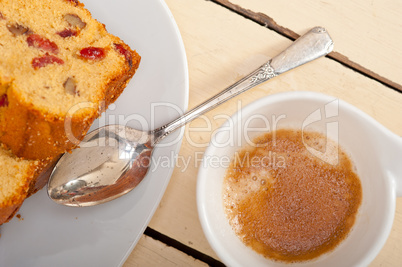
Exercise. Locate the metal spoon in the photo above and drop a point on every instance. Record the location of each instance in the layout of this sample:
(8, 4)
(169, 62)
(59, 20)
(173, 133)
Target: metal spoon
(113, 160)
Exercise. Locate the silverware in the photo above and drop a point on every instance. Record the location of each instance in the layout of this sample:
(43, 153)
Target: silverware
(114, 159)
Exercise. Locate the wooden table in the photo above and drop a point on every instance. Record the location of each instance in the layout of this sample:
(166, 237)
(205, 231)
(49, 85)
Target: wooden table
(226, 40)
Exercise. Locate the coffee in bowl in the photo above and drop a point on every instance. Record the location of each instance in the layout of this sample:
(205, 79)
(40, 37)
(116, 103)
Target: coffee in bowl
(373, 149)
(287, 203)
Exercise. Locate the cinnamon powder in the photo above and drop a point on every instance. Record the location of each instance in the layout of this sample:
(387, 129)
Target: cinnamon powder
(287, 204)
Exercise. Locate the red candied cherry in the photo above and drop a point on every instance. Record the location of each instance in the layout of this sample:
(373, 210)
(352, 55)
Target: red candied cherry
(93, 53)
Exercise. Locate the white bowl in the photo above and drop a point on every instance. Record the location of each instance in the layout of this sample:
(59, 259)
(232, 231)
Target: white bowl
(373, 149)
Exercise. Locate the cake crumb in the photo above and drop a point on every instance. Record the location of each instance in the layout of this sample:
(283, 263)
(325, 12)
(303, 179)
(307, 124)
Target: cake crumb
(19, 217)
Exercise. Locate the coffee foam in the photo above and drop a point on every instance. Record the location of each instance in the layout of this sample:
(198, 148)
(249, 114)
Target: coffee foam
(295, 209)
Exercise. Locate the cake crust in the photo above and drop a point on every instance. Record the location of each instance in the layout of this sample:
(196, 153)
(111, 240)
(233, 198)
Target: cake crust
(32, 176)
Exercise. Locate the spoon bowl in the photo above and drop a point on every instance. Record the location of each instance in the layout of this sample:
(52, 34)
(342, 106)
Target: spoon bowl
(114, 159)
(111, 161)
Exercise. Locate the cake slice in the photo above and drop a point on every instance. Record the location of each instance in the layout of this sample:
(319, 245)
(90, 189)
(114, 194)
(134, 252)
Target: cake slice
(59, 69)
(19, 179)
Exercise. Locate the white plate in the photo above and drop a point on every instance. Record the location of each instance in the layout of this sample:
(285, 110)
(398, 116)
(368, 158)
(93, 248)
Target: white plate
(104, 235)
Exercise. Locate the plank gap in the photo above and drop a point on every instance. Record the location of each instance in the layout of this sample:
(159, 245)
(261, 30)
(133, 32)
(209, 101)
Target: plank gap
(182, 247)
(268, 22)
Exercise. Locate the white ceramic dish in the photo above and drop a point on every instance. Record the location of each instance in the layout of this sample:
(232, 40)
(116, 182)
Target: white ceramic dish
(104, 235)
(375, 151)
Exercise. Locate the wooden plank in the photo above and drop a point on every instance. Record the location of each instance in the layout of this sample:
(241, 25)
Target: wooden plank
(221, 47)
(150, 252)
(365, 32)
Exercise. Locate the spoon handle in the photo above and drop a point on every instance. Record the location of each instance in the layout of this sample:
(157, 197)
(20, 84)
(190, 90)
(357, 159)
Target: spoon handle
(310, 46)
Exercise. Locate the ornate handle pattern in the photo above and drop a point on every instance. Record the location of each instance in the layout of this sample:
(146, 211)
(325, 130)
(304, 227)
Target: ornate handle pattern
(265, 73)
